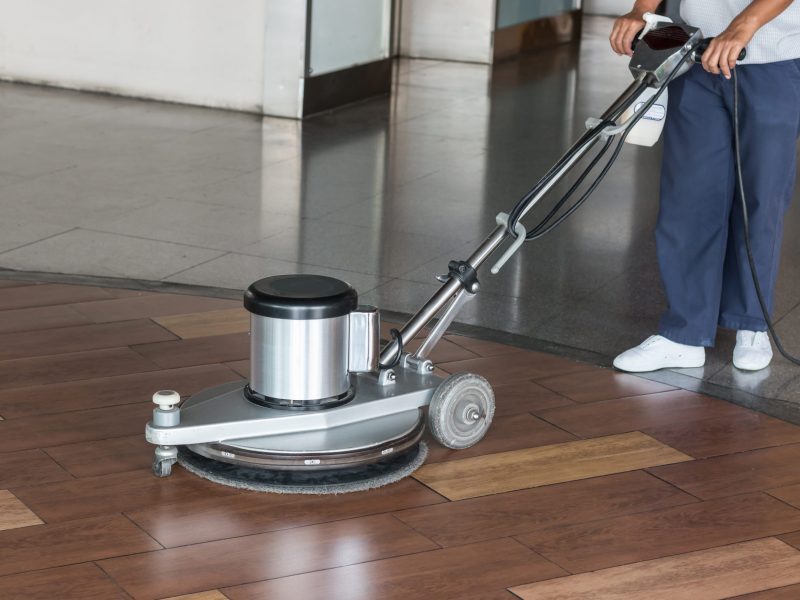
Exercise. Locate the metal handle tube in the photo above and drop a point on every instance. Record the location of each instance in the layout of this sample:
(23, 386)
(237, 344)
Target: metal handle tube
(437, 331)
(422, 316)
(478, 257)
(577, 153)
(623, 103)
(445, 293)
(579, 149)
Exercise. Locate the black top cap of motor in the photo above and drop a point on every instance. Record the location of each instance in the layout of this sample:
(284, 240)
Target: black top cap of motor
(300, 297)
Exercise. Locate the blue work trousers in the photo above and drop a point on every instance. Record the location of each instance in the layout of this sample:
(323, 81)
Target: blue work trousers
(699, 235)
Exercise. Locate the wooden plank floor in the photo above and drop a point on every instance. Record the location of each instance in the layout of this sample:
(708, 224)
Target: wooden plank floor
(591, 483)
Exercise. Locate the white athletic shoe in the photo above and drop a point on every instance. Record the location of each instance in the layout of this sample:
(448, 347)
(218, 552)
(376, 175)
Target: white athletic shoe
(753, 351)
(657, 352)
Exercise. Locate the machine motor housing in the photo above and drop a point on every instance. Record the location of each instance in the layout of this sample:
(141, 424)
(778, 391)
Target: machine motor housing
(307, 334)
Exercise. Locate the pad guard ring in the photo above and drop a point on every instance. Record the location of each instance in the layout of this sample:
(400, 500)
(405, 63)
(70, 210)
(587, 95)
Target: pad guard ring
(260, 454)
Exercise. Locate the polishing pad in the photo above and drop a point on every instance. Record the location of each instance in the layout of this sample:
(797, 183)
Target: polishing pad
(336, 481)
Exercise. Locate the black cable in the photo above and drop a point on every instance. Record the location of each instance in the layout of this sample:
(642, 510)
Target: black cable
(519, 207)
(578, 203)
(533, 234)
(746, 226)
(523, 202)
(541, 228)
(396, 336)
(537, 232)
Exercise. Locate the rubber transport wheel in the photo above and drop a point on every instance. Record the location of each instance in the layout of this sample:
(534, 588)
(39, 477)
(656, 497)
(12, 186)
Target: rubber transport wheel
(461, 410)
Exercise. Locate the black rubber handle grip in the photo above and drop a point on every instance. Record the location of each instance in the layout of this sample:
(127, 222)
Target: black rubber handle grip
(703, 46)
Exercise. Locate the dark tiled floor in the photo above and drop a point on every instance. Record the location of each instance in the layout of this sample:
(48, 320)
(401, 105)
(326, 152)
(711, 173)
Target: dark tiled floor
(381, 194)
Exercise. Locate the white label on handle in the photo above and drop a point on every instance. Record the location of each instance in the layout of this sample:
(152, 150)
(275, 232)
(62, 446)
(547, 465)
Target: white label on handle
(657, 112)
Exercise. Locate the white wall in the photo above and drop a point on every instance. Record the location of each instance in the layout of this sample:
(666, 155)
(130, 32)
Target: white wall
(607, 7)
(284, 58)
(345, 33)
(207, 52)
(514, 12)
(448, 29)
(620, 7)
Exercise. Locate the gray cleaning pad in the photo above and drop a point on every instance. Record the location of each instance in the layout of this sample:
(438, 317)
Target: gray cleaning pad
(339, 481)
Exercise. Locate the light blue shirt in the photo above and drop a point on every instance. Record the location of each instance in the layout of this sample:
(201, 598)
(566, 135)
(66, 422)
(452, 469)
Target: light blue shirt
(778, 40)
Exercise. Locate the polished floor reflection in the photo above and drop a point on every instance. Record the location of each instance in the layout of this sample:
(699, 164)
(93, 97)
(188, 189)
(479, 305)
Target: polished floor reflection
(588, 484)
(381, 194)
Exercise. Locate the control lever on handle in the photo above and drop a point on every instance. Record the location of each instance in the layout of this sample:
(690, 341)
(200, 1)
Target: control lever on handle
(651, 20)
(703, 46)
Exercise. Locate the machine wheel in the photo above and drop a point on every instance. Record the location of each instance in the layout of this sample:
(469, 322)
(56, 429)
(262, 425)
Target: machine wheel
(461, 410)
(162, 467)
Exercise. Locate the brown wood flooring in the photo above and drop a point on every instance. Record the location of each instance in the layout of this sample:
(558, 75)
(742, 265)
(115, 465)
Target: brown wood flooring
(590, 484)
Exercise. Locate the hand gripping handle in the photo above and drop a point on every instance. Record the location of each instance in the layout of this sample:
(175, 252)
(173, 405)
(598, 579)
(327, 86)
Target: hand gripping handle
(703, 46)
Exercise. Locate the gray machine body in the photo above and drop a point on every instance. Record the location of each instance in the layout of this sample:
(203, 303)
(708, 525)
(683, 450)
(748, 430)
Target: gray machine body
(224, 416)
(330, 350)
(316, 397)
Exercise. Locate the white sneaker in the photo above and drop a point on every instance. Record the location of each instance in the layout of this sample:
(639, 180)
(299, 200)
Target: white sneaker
(753, 351)
(657, 352)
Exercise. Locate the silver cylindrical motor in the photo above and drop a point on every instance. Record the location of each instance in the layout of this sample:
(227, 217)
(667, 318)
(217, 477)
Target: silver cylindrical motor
(305, 331)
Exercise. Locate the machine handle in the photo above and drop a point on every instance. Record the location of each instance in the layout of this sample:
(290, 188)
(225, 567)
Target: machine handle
(703, 46)
(698, 52)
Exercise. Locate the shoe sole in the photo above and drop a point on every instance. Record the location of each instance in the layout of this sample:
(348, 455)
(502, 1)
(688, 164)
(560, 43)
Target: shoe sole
(688, 365)
(751, 369)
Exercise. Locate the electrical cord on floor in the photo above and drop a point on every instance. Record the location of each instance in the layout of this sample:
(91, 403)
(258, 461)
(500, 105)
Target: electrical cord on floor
(746, 226)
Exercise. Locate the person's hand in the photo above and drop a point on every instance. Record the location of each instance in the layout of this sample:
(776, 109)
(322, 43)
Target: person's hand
(724, 50)
(625, 29)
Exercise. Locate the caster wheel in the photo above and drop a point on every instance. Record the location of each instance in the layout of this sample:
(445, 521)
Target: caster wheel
(162, 468)
(461, 410)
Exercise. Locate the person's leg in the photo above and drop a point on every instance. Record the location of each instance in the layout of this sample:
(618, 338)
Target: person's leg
(769, 97)
(697, 184)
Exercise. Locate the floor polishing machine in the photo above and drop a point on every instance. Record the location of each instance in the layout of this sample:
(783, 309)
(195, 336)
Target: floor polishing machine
(324, 404)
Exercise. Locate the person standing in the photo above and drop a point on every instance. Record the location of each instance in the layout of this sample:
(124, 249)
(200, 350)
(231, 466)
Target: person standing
(699, 233)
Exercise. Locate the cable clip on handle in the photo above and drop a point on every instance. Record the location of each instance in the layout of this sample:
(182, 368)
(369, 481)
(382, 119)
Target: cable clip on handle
(610, 130)
(519, 231)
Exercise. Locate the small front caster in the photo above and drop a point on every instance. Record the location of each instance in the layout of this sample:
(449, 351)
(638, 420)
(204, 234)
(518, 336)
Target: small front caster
(162, 468)
(461, 410)
(164, 458)
(166, 414)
